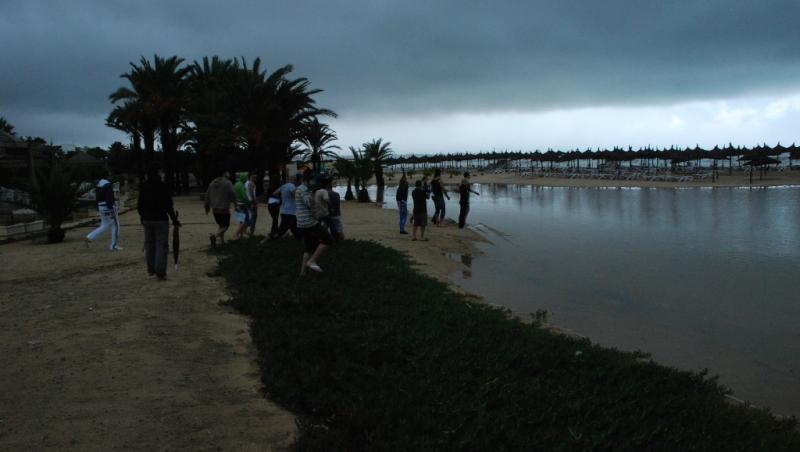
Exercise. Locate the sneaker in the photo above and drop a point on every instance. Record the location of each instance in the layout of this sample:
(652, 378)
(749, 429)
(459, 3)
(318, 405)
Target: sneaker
(314, 267)
(87, 242)
(117, 248)
(404, 232)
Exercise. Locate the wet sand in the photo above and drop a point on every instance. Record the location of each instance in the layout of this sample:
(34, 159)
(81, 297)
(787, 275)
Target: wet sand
(434, 257)
(99, 356)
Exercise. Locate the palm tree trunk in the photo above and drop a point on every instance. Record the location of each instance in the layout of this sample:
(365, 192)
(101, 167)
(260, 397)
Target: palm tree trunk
(379, 181)
(137, 155)
(348, 196)
(149, 138)
(166, 148)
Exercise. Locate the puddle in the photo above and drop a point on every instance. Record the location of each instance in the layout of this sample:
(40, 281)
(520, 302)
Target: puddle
(463, 259)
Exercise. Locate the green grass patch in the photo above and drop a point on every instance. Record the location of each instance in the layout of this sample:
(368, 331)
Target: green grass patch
(375, 356)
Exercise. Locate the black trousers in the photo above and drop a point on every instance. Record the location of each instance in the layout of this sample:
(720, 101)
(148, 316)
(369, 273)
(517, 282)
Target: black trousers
(462, 215)
(288, 223)
(274, 210)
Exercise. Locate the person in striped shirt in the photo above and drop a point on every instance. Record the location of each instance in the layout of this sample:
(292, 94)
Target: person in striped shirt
(315, 236)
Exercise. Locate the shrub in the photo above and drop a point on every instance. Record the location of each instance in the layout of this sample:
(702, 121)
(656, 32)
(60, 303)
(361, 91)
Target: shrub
(55, 198)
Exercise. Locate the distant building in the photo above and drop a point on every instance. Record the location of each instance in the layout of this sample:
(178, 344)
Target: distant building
(19, 160)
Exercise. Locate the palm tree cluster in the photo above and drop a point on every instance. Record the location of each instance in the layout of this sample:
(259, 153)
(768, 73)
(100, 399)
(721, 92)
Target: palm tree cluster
(646, 156)
(216, 109)
(364, 163)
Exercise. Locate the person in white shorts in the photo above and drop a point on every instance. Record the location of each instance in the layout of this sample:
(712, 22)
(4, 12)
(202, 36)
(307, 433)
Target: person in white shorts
(109, 214)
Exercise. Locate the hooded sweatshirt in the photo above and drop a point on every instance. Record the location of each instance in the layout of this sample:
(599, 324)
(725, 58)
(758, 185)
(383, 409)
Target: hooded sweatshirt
(104, 194)
(240, 190)
(220, 195)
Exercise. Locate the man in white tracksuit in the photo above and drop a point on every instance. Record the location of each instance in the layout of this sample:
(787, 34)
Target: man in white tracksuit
(109, 214)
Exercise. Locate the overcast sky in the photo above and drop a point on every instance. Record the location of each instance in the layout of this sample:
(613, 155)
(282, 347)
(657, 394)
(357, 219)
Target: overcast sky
(437, 76)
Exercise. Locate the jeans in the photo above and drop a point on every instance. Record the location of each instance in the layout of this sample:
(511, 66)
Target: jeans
(403, 206)
(462, 215)
(438, 203)
(253, 217)
(156, 246)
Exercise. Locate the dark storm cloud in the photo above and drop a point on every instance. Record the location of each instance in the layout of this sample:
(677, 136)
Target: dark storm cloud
(64, 58)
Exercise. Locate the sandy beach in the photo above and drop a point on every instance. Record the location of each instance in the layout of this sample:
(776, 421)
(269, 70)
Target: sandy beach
(105, 357)
(737, 179)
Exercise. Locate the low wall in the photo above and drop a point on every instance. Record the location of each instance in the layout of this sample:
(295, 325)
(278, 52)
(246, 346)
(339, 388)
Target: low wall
(13, 231)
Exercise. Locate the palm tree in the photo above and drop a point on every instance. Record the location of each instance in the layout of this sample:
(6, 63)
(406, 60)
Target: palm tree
(345, 168)
(136, 111)
(124, 118)
(270, 113)
(6, 126)
(362, 171)
(160, 92)
(316, 138)
(294, 106)
(378, 152)
(210, 124)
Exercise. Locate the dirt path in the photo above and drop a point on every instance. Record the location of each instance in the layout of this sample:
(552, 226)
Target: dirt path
(99, 356)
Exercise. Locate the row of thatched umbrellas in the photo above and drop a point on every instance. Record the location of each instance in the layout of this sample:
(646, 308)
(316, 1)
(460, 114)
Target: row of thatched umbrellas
(756, 156)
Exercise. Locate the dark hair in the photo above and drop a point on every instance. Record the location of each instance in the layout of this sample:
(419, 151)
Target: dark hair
(152, 171)
(437, 172)
(466, 174)
(298, 177)
(418, 183)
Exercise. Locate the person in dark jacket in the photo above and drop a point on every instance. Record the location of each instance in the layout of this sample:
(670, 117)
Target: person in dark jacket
(420, 199)
(439, 193)
(402, 202)
(155, 208)
(464, 191)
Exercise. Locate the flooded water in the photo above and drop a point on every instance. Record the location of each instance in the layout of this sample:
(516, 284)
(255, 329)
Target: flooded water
(699, 278)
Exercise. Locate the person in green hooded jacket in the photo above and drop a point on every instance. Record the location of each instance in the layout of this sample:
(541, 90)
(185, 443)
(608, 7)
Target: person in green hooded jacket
(242, 214)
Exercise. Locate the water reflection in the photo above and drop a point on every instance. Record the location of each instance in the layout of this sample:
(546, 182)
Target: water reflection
(463, 259)
(701, 278)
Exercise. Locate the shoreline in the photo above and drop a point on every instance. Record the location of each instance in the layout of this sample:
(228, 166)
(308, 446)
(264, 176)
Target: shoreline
(442, 256)
(737, 180)
(446, 266)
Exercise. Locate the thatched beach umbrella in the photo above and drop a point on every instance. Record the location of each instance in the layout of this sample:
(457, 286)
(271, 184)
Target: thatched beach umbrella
(760, 160)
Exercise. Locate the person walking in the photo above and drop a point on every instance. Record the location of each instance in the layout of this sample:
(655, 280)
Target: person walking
(336, 226)
(288, 210)
(322, 203)
(219, 198)
(439, 193)
(464, 191)
(109, 213)
(402, 202)
(315, 237)
(274, 209)
(155, 208)
(420, 199)
(250, 188)
(242, 205)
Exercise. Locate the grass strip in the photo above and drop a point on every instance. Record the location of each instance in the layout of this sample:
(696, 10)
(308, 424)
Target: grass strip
(375, 356)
